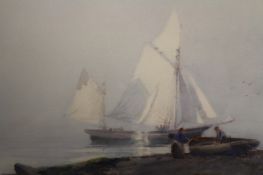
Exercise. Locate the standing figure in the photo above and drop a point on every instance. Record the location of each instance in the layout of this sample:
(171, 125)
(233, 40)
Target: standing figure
(183, 140)
(220, 135)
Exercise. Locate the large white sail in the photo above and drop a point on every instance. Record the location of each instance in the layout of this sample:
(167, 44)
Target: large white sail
(159, 94)
(148, 106)
(168, 42)
(88, 102)
(156, 69)
(156, 73)
(174, 99)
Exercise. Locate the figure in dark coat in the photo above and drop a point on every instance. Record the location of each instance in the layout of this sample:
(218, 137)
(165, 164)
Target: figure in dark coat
(181, 137)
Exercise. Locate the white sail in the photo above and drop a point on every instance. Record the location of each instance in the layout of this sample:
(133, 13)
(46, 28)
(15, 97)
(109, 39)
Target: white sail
(168, 42)
(191, 105)
(83, 79)
(178, 100)
(148, 106)
(88, 102)
(186, 101)
(199, 119)
(170, 100)
(206, 109)
(154, 71)
(156, 68)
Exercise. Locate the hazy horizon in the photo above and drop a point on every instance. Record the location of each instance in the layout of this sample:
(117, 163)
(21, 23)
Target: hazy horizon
(44, 46)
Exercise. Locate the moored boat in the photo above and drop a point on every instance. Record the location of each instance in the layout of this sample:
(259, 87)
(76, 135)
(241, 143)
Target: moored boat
(175, 99)
(110, 136)
(88, 106)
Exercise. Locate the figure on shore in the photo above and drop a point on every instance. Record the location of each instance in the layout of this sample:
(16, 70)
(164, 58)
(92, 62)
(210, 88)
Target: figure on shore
(183, 140)
(180, 145)
(220, 135)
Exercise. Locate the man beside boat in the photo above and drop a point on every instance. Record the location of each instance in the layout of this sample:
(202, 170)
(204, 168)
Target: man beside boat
(180, 147)
(183, 140)
(220, 135)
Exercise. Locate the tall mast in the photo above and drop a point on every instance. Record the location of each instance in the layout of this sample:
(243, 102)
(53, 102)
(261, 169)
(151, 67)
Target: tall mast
(176, 72)
(103, 89)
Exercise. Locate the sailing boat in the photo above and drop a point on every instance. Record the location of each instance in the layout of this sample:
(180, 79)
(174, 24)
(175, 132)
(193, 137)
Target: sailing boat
(175, 99)
(88, 106)
(88, 101)
(161, 97)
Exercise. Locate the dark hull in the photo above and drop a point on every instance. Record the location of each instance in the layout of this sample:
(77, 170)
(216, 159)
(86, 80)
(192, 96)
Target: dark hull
(231, 146)
(161, 137)
(110, 136)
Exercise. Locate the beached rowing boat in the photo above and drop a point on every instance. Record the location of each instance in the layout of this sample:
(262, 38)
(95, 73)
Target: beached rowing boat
(210, 146)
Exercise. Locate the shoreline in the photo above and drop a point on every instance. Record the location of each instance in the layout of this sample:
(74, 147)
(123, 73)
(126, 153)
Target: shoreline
(249, 164)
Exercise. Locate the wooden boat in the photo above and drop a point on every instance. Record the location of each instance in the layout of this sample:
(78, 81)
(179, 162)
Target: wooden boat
(162, 137)
(210, 146)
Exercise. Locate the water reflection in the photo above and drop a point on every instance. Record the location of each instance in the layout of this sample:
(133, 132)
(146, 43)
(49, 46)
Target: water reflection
(56, 151)
(118, 151)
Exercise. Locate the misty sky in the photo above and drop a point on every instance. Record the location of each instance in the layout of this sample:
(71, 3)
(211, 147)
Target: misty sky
(45, 44)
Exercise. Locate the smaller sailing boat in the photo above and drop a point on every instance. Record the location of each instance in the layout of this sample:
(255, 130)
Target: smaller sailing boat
(88, 106)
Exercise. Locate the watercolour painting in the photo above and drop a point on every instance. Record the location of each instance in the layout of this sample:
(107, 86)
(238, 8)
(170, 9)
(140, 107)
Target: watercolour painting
(127, 87)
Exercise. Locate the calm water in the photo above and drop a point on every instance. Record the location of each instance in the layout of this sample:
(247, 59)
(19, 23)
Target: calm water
(57, 150)
(65, 148)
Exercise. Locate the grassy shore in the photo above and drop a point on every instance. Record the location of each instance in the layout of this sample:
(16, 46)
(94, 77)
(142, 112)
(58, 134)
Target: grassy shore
(251, 164)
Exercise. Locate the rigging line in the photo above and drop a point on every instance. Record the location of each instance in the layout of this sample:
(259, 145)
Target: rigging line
(162, 55)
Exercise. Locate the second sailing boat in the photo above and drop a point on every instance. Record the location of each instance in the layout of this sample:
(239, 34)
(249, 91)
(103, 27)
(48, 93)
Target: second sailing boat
(88, 107)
